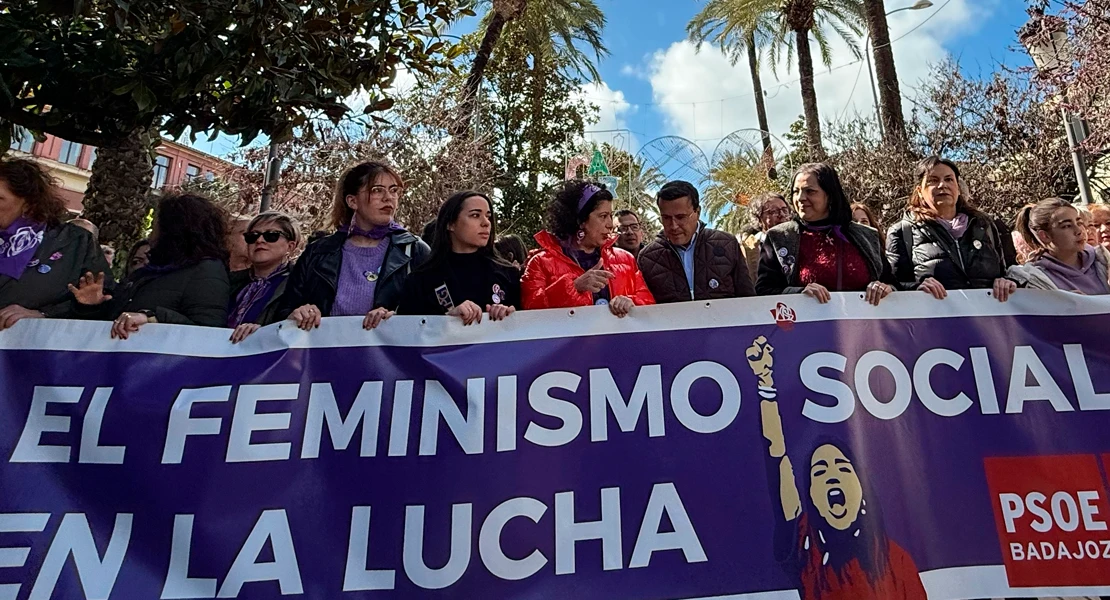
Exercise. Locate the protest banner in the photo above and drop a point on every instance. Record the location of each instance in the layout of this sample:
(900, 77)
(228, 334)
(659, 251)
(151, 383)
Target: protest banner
(754, 448)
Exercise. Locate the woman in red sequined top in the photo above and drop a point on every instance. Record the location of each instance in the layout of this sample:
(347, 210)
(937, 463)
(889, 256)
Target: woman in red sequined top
(822, 250)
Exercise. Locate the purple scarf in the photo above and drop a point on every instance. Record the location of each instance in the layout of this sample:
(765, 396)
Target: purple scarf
(250, 302)
(956, 226)
(18, 243)
(833, 229)
(378, 232)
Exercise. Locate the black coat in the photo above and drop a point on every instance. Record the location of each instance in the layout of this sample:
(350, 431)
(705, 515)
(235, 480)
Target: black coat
(49, 292)
(918, 250)
(315, 278)
(193, 295)
(779, 257)
(240, 280)
(473, 277)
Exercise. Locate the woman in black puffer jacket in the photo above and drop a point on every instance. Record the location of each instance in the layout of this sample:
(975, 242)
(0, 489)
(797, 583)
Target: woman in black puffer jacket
(943, 243)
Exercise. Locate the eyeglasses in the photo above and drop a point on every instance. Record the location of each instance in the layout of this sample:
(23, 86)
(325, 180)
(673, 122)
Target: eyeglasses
(381, 190)
(271, 237)
(778, 212)
(630, 228)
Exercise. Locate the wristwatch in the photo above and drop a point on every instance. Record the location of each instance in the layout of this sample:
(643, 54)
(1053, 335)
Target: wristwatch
(149, 314)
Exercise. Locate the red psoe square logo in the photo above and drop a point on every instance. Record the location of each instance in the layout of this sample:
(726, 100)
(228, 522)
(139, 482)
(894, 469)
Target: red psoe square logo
(1053, 519)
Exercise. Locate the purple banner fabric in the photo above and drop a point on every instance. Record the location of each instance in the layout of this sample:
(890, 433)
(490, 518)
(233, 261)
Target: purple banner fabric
(762, 448)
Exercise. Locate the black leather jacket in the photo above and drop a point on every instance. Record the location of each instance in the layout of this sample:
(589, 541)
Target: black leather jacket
(315, 278)
(918, 250)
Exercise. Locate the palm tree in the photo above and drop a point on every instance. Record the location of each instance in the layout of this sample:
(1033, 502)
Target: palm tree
(734, 181)
(119, 196)
(501, 12)
(794, 21)
(890, 98)
(720, 23)
(562, 32)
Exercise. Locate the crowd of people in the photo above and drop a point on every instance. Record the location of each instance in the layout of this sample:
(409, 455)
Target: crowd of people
(199, 268)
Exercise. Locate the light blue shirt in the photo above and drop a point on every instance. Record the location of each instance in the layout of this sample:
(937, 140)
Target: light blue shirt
(687, 256)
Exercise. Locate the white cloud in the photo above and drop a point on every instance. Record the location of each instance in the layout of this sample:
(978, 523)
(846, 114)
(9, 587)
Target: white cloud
(611, 104)
(688, 85)
(402, 82)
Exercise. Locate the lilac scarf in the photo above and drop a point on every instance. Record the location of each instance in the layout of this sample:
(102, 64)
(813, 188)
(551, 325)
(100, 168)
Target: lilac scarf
(250, 302)
(18, 243)
(378, 232)
(956, 226)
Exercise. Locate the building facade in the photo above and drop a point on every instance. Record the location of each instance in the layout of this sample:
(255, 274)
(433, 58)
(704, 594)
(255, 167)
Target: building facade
(71, 164)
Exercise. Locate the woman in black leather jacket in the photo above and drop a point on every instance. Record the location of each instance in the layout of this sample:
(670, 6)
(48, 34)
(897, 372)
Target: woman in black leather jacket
(361, 268)
(943, 243)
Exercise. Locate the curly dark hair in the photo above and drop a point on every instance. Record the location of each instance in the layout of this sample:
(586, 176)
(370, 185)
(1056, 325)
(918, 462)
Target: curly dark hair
(563, 215)
(188, 229)
(27, 180)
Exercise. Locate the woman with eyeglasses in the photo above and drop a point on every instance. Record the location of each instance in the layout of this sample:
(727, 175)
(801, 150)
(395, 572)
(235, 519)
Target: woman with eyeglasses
(361, 268)
(271, 239)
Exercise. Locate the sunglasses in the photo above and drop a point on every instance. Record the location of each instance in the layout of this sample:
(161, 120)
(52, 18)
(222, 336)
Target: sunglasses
(270, 236)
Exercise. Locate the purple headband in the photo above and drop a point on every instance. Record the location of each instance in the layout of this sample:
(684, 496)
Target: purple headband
(587, 193)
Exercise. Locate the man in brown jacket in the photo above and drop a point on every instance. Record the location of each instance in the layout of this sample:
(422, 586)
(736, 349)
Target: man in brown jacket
(689, 261)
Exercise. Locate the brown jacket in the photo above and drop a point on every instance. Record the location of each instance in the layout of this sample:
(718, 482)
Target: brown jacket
(720, 270)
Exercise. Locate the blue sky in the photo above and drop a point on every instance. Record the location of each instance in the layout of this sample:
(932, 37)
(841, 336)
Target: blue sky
(654, 83)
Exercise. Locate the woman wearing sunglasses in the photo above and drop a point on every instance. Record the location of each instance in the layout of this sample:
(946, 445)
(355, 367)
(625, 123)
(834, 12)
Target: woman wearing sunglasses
(271, 239)
(361, 268)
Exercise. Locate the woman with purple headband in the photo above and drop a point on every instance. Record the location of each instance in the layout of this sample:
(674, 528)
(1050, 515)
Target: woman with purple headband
(361, 268)
(577, 264)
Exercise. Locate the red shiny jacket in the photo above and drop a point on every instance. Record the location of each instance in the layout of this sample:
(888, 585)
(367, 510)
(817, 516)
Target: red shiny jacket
(548, 280)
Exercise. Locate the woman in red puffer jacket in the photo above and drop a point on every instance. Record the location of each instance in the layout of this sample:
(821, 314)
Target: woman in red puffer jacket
(577, 264)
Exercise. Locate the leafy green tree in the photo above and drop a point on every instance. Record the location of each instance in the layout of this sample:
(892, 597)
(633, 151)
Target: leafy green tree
(735, 180)
(561, 39)
(529, 149)
(110, 72)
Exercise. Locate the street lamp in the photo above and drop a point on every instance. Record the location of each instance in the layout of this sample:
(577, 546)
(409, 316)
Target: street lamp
(1045, 38)
(919, 5)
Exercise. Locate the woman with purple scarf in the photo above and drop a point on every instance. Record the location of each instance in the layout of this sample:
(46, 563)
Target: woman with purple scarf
(361, 268)
(271, 239)
(40, 256)
(944, 243)
(821, 250)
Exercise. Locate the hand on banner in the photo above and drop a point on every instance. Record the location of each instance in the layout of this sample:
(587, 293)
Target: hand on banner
(621, 306)
(128, 323)
(375, 318)
(307, 317)
(243, 331)
(934, 287)
(11, 314)
(594, 280)
(90, 290)
(876, 291)
(469, 312)
(1003, 288)
(498, 312)
(818, 292)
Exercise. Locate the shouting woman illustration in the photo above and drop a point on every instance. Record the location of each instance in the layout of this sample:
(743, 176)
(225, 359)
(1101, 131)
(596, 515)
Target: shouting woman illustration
(833, 540)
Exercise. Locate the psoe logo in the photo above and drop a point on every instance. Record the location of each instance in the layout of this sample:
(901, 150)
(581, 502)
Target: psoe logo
(784, 316)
